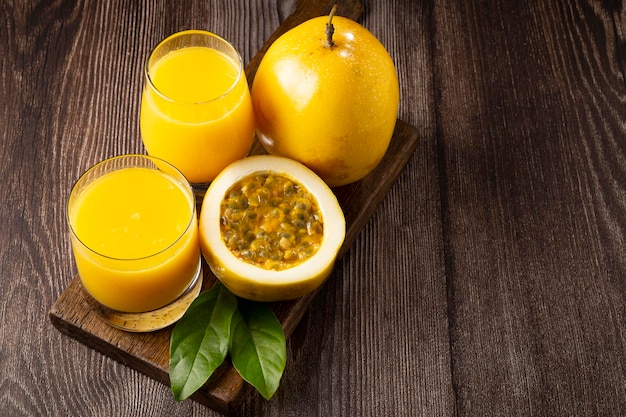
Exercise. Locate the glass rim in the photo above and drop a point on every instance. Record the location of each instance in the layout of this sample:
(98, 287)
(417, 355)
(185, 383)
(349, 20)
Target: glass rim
(239, 64)
(187, 189)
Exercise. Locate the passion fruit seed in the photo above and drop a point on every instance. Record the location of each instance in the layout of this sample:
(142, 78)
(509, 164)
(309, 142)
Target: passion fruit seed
(271, 221)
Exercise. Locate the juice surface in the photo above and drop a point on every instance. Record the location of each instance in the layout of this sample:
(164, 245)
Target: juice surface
(131, 213)
(201, 117)
(131, 222)
(195, 74)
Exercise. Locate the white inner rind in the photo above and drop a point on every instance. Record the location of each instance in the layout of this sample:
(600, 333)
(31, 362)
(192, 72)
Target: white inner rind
(332, 216)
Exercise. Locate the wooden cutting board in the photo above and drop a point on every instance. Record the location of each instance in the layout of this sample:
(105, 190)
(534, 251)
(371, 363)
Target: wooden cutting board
(73, 312)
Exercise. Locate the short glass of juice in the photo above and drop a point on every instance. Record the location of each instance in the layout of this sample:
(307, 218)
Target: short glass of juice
(134, 234)
(196, 110)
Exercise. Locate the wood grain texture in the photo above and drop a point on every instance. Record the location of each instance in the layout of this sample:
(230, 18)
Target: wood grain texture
(533, 202)
(489, 281)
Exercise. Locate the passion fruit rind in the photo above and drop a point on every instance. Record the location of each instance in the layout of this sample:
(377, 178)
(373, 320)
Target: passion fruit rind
(248, 279)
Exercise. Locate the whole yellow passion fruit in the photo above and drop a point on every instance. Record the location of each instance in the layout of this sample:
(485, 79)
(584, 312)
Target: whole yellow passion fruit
(326, 94)
(270, 228)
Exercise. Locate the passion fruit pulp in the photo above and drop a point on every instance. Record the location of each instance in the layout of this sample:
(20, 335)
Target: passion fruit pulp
(270, 228)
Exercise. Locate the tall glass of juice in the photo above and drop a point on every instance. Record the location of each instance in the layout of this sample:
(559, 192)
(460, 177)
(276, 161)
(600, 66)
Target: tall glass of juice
(196, 111)
(134, 235)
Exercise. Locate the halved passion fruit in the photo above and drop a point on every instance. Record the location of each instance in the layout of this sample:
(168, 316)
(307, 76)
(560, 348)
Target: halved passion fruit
(270, 228)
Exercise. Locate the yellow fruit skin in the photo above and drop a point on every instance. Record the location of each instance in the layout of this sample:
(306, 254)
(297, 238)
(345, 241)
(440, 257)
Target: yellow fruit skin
(332, 109)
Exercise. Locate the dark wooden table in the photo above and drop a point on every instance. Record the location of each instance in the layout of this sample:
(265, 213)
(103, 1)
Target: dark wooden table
(491, 280)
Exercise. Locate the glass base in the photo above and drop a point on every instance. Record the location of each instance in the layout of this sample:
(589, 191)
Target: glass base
(156, 319)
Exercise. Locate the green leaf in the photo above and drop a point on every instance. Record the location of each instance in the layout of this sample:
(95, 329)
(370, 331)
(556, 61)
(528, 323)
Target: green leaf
(199, 341)
(257, 346)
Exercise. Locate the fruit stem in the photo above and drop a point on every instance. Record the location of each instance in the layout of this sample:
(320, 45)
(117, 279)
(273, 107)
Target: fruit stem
(330, 29)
